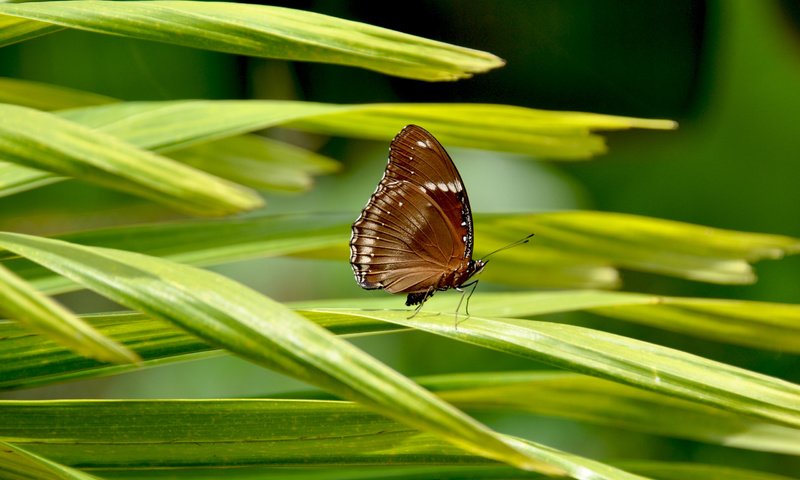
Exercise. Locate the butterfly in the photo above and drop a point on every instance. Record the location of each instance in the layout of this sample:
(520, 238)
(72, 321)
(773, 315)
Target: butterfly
(415, 235)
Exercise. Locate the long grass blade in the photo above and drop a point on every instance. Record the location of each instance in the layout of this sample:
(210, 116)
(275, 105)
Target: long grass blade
(613, 357)
(44, 141)
(230, 315)
(259, 31)
(222, 433)
(172, 126)
(20, 301)
(20, 464)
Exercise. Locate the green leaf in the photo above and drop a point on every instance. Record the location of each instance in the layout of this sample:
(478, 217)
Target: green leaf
(654, 245)
(769, 326)
(27, 361)
(46, 96)
(264, 31)
(507, 128)
(203, 242)
(15, 178)
(38, 312)
(230, 315)
(621, 359)
(19, 464)
(655, 470)
(598, 401)
(219, 241)
(504, 128)
(258, 162)
(30, 360)
(44, 141)
(13, 30)
(190, 433)
(695, 471)
(764, 325)
(171, 126)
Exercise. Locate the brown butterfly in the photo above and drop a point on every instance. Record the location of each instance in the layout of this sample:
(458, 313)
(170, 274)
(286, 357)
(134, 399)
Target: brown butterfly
(415, 235)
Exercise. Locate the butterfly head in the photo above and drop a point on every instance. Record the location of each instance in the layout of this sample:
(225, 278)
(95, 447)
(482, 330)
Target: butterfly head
(475, 267)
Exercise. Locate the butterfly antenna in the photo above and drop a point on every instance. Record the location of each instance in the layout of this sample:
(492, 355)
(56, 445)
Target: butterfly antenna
(511, 245)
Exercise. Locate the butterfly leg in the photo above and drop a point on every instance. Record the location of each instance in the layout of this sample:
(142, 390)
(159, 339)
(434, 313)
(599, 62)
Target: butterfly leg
(418, 299)
(474, 285)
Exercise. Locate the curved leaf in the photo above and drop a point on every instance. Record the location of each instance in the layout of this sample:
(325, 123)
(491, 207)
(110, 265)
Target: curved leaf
(565, 135)
(668, 247)
(228, 314)
(598, 401)
(27, 361)
(44, 141)
(769, 326)
(264, 31)
(171, 126)
(38, 312)
(621, 359)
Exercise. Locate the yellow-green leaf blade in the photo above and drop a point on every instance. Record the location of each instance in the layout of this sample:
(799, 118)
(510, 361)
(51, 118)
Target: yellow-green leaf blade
(20, 301)
(46, 96)
(14, 29)
(662, 246)
(43, 141)
(258, 162)
(598, 401)
(695, 471)
(19, 464)
(266, 31)
(27, 361)
(765, 325)
(30, 360)
(507, 128)
(553, 134)
(231, 315)
(625, 360)
(171, 126)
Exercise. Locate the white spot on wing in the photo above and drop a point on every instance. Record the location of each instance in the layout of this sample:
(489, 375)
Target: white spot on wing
(430, 185)
(422, 144)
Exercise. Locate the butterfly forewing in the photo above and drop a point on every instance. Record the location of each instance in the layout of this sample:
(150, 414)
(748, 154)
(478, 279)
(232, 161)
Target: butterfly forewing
(417, 226)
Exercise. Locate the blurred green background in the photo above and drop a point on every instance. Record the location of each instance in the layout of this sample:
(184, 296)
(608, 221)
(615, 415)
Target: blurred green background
(727, 71)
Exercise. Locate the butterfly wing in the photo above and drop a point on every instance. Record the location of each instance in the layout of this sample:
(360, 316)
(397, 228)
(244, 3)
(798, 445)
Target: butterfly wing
(417, 226)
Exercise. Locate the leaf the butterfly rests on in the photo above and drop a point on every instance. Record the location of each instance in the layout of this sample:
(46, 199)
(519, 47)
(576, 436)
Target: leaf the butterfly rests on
(415, 234)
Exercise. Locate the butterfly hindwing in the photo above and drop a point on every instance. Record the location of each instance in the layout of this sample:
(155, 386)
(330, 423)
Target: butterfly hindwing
(417, 227)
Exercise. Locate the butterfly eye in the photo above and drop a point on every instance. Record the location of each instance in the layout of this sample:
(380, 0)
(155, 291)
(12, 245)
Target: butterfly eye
(415, 234)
